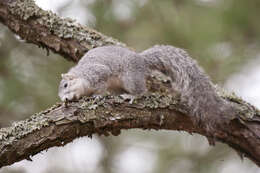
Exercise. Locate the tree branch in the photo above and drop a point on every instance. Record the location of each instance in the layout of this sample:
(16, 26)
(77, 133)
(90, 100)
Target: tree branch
(103, 115)
(60, 125)
(47, 30)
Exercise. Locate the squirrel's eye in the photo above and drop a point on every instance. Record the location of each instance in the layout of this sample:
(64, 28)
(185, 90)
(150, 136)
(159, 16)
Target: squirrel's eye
(65, 85)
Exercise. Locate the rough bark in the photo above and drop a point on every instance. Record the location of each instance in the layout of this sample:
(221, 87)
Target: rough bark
(104, 115)
(60, 125)
(45, 29)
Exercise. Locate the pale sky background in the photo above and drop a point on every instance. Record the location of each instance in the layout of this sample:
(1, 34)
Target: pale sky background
(85, 153)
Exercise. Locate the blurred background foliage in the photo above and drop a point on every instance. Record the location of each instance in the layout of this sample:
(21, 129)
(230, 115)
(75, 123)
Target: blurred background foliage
(222, 35)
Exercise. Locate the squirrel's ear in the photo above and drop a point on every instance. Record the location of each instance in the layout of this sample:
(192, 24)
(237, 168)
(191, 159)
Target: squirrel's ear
(67, 76)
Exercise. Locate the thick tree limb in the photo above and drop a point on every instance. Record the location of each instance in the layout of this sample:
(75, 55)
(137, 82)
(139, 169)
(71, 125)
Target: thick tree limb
(46, 29)
(60, 125)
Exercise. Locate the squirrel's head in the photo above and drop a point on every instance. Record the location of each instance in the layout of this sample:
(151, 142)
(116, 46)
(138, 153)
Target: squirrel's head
(72, 87)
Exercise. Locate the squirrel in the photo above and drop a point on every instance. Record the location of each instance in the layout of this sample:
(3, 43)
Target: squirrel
(120, 70)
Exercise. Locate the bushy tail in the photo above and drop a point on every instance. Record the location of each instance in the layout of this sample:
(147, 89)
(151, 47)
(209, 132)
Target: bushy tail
(193, 85)
(171, 61)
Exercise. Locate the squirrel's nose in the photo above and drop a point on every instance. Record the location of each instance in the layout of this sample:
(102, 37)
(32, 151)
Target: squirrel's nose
(64, 99)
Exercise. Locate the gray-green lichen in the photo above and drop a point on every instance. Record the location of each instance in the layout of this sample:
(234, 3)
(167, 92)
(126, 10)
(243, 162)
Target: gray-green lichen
(64, 28)
(92, 103)
(152, 100)
(96, 109)
(156, 100)
(246, 110)
(24, 8)
(22, 128)
(100, 109)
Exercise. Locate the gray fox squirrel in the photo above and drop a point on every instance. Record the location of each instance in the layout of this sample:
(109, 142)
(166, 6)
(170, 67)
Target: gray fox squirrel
(120, 70)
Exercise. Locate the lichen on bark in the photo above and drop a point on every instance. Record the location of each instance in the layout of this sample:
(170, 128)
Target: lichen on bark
(62, 35)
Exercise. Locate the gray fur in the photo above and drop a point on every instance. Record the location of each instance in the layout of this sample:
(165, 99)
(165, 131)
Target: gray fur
(102, 65)
(130, 70)
(189, 80)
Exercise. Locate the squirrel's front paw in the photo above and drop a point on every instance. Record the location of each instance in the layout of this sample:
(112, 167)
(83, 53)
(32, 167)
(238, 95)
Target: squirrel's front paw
(129, 97)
